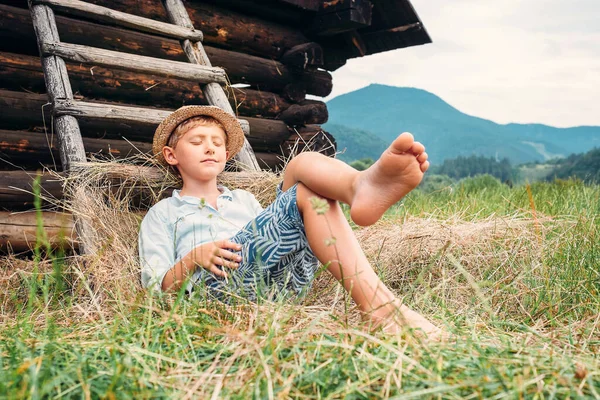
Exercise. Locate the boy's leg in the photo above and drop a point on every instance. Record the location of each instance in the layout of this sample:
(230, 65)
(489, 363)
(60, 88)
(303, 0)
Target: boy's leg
(348, 264)
(369, 193)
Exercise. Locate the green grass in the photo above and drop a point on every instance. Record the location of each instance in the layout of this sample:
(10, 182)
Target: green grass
(526, 325)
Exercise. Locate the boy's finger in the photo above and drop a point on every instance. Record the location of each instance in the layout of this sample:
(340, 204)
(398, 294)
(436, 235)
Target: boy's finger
(217, 271)
(229, 255)
(225, 262)
(232, 245)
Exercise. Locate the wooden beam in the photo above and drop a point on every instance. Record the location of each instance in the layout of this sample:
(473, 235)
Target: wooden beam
(128, 20)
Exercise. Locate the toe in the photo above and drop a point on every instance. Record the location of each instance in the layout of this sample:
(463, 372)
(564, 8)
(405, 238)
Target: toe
(425, 166)
(417, 148)
(403, 143)
(422, 157)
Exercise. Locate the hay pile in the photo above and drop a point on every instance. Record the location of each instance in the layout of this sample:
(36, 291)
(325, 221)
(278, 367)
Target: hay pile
(425, 260)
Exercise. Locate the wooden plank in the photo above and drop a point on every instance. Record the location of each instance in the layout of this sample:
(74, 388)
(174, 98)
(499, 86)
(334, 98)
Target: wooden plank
(214, 93)
(135, 63)
(103, 14)
(118, 113)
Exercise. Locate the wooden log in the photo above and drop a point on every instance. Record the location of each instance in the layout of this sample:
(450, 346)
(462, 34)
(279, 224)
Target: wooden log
(128, 20)
(288, 14)
(309, 138)
(135, 63)
(307, 112)
(303, 56)
(19, 230)
(223, 27)
(17, 193)
(25, 110)
(19, 72)
(267, 74)
(294, 92)
(16, 189)
(35, 148)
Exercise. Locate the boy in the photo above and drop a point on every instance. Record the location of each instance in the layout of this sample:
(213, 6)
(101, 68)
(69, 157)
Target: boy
(225, 241)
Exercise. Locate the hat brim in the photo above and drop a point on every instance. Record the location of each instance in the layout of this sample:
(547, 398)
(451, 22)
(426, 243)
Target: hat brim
(233, 130)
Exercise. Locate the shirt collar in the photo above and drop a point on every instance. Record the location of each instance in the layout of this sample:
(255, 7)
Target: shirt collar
(225, 193)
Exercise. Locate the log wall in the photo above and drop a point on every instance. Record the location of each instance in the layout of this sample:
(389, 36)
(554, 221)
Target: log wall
(274, 54)
(270, 69)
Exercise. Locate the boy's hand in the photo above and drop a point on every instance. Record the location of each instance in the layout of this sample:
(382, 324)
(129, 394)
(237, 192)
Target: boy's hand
(209, 255)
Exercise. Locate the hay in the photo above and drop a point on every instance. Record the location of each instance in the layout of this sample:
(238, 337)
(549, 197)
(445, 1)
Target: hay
(417, 253)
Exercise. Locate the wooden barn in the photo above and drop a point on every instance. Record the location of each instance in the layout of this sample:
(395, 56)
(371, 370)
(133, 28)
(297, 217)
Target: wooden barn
(82, 79)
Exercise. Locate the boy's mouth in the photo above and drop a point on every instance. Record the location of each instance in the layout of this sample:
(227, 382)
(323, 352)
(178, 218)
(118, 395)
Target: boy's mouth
(209, 160)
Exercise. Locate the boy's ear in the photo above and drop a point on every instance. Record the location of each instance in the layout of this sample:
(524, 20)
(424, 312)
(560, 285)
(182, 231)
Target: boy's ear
(169, 155)
(227, 154)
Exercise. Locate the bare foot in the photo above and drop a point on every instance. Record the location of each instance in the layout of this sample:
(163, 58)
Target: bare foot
(404, 318)
(398, 171)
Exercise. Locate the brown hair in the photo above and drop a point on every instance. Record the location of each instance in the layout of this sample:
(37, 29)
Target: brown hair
(188, 124)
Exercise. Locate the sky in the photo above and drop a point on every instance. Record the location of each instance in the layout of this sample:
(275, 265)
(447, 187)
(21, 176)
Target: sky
(525, 61)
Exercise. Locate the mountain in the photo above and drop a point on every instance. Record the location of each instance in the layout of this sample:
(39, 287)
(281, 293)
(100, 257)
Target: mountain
(385, 111)
(354, 143)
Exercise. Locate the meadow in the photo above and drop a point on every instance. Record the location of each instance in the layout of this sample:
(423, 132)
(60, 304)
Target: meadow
(512, 273)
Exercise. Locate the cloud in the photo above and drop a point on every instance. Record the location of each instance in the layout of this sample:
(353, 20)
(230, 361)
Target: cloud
(509, 61)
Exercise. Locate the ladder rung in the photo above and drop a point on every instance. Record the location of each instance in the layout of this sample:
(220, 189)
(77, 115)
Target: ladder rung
(104, 14)
(135, 63)
(118, 113)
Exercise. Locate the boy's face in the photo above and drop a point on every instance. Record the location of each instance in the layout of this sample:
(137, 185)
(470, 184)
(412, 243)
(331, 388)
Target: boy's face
(200, 154)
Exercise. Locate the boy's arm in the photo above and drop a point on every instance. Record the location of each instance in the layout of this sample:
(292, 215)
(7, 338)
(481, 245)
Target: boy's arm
(156, 248)
(209, 255)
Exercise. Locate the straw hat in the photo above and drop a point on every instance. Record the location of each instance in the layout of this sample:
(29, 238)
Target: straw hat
(233, 129)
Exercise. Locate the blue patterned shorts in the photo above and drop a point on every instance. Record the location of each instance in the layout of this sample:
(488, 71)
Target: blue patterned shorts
(276, 257)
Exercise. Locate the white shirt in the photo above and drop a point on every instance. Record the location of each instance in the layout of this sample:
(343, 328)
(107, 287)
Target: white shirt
(174, 226)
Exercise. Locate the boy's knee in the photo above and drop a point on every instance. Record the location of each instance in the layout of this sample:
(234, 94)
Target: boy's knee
(305, 198)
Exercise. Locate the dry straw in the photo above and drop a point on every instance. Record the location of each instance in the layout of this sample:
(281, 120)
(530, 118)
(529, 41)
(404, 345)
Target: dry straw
(429, 262)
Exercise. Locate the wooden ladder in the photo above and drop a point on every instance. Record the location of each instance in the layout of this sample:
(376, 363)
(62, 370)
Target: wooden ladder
(65, 108)
(58, 87)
